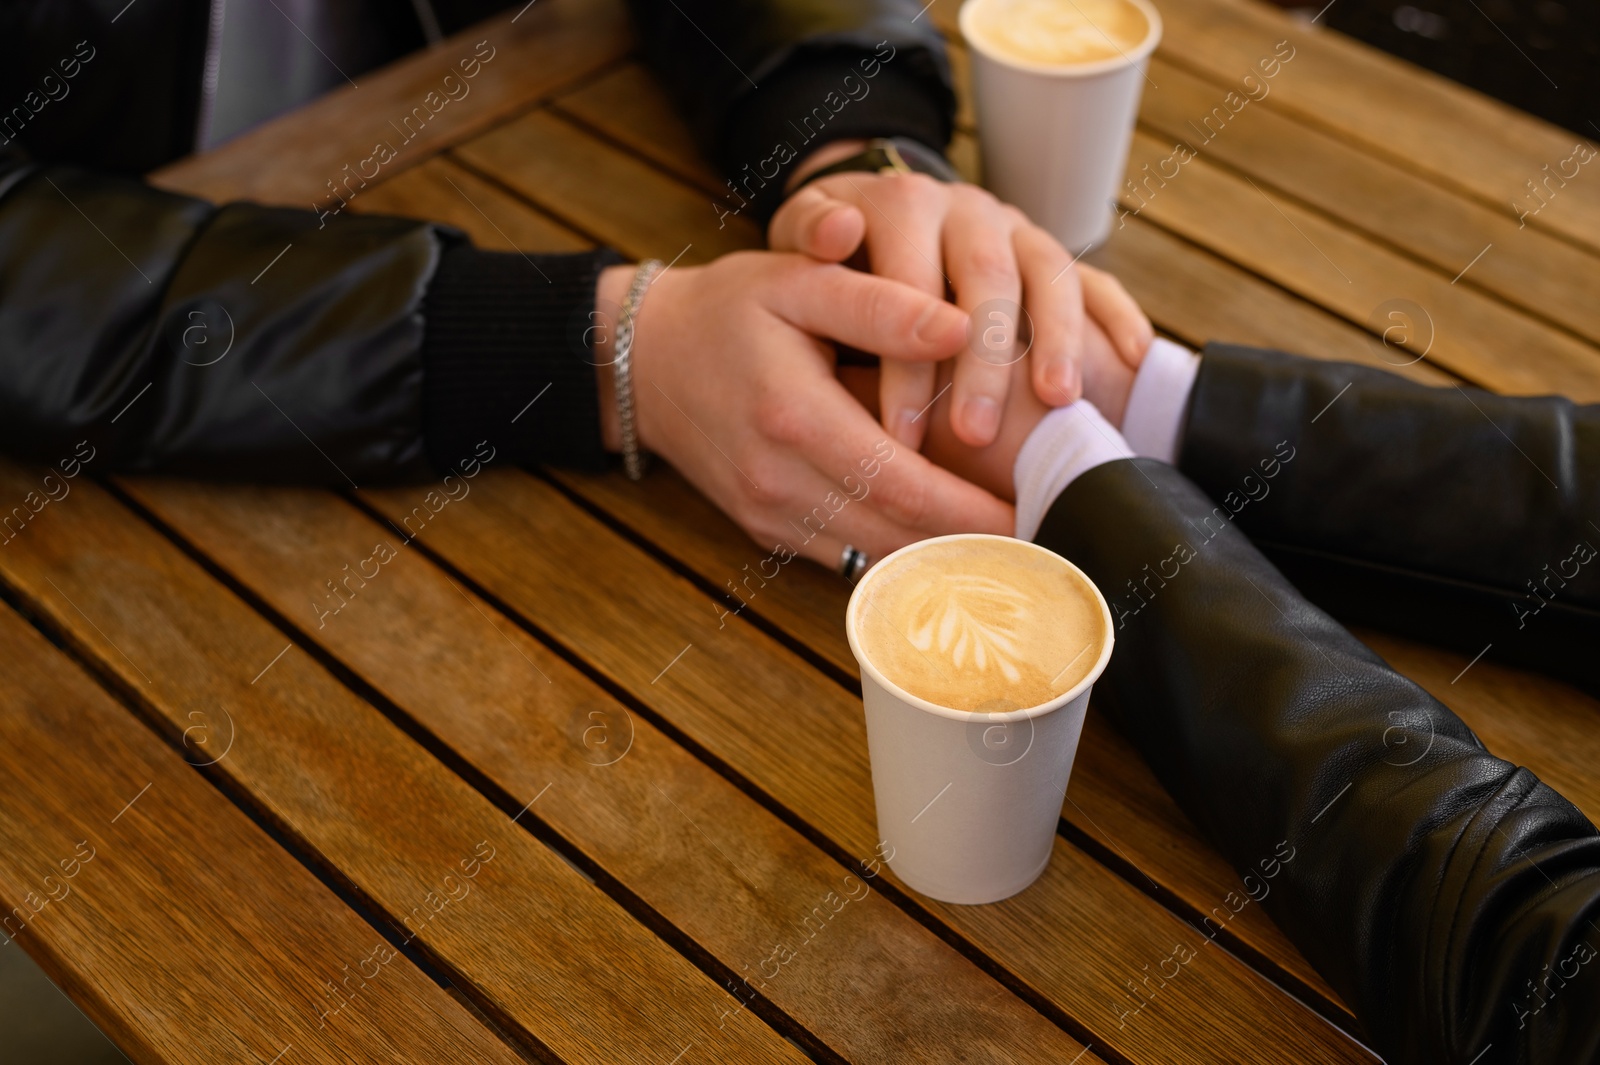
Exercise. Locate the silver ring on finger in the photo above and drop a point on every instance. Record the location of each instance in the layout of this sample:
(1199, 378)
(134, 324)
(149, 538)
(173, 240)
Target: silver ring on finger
(852, 563)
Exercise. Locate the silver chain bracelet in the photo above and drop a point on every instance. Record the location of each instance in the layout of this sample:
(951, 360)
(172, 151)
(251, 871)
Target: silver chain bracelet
(622, 367)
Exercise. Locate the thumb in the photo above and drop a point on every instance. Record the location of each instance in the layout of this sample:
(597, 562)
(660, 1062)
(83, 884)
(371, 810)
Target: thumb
(813, 223)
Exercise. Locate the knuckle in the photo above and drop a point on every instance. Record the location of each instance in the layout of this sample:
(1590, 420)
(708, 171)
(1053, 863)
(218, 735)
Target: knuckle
(878, 305)
(904, 500)
(762, 493)
(974, 197)
(968, 192)
(915, 188)
(780, 419)
(993, 263)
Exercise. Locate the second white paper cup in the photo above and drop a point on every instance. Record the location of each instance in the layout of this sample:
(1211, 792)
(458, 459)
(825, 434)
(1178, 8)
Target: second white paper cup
(1054, 138)
(968, 802)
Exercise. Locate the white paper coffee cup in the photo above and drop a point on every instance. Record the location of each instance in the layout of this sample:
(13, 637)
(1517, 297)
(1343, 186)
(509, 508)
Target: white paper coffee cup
(1054, 137)
(968, 802)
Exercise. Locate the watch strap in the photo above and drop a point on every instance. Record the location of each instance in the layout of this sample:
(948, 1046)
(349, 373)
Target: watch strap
(889, 155)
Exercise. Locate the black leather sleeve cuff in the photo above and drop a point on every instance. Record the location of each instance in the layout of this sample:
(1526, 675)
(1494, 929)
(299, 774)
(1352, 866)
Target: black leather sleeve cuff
(824, 96)
(504, 362)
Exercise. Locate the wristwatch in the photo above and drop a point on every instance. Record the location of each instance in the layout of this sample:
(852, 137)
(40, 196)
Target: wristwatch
(889, 155)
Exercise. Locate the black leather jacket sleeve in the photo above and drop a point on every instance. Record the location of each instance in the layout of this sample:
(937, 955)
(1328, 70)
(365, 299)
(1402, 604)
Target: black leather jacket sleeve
(270, 345)
(764, 83)
(1467, 517)
(247, 342)
(1448, 896)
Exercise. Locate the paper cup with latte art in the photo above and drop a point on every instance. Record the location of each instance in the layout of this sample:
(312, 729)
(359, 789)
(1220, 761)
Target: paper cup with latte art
(977, 657)
(1057, 85)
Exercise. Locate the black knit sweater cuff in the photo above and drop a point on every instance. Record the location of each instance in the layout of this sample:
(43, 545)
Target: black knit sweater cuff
(824, 96)
(504, 360)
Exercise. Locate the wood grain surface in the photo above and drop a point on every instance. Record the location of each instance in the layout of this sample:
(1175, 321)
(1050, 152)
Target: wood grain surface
(441, 191)
(627, 105)
(1471, 331)
(532, 940)
(1459, 237)
(1463, 142)
(606, 193)
(1113, 798)
(180, 928)
(865, 979)
(797, 737)
(677, 796)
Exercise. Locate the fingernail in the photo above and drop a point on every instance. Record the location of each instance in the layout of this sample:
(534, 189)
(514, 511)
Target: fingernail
(1067, 380)
(905, 426)
(983, 416)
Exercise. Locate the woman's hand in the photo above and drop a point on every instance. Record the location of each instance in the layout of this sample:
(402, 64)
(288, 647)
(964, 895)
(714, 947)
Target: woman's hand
(733, 386)
(927, 233)
(1107, 380)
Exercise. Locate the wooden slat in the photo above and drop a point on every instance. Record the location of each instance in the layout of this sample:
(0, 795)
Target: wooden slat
(552, 162)
(1462, 141)
(629, 103)
(1541, 274)
(536, 944)
(1199, 297)
(868, 980)
(1113, 798)
(187, 935)
(441, 191)
(291, 159)
(1073, 938)
(1475, 336)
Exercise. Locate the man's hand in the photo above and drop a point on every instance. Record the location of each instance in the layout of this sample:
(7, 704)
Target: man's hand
(735, 388)
(927, 233)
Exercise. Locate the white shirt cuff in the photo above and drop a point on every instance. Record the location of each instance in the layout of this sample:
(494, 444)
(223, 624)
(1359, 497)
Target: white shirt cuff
(1153, 421)
(1067, 442)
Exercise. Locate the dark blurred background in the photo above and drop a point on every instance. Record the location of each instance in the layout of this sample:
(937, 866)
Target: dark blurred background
(1476, 42)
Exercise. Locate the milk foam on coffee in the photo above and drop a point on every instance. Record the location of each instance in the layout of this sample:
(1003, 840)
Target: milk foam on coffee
(988, 625)
(1058, 32)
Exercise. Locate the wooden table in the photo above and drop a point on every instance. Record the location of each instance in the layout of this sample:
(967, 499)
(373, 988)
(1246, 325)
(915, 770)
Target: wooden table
(523, 796)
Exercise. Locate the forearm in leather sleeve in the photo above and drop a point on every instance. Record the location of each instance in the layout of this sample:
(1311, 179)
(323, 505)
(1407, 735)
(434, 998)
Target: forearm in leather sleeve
(254, 343)
(1447, 895)
(1450, 513)
(765, 82)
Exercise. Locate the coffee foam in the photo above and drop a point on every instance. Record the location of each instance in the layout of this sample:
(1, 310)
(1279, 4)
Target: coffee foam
(1058, 32)
(982, 625)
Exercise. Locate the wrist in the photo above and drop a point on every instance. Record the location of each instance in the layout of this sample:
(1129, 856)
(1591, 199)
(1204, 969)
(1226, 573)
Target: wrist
(1065, 444)
(827, 155)
(609, 291)
(1152, 420)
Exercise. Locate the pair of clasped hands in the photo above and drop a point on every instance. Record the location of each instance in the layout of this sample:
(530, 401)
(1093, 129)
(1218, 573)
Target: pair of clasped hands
(737, 384)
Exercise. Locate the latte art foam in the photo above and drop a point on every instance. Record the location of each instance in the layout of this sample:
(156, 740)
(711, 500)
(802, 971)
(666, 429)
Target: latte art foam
(1058, 32)
(983, 625)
